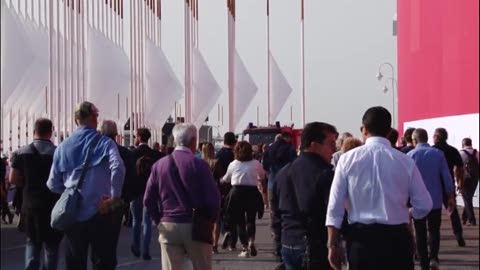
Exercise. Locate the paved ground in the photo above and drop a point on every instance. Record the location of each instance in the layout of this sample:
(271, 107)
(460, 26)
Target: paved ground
(451, 256)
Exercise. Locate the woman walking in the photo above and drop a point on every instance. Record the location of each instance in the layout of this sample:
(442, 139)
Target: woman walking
(244, 201)
(208, 155)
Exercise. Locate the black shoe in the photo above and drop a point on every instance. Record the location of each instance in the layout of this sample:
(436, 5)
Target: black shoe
(280, 267)
(215, 249)
(253, 250)
(461, 241)
(134, 252)
(10, 218)
(225, 240)
(146, 257)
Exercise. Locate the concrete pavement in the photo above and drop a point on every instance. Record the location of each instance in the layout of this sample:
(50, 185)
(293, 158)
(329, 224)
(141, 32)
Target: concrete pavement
(451, 256)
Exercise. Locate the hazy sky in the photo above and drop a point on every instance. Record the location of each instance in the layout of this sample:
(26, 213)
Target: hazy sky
(345, 42)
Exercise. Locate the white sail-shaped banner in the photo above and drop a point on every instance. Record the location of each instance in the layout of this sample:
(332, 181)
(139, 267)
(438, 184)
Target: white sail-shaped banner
(16, 54)
(244, 90)
(206, 90)
(280, 89)
(32, 86)
(162, 86)
(108, 75)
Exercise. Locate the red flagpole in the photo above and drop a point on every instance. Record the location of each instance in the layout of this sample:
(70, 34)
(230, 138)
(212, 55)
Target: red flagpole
(268, 64)
(187, 61)
(302, 48)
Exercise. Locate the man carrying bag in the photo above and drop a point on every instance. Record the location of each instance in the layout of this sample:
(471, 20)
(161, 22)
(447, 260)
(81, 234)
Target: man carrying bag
(99, 189)
(183, 200)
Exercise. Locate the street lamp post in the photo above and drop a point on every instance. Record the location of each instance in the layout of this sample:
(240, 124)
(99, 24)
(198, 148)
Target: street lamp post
(385, 89)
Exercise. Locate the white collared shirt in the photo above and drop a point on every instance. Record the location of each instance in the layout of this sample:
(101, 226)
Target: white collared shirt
(374, 182)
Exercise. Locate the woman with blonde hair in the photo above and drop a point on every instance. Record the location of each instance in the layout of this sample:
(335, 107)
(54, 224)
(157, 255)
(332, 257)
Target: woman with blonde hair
(208, 155)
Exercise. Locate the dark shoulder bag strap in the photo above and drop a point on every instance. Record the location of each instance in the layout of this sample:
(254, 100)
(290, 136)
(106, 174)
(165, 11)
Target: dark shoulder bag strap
(175, 174)
(87, 161)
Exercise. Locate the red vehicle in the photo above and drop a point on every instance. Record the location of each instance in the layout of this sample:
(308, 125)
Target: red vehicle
(266, 135)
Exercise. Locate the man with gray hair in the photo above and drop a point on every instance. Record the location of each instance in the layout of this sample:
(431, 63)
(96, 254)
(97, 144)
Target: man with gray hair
(101, 189)
(109, 129)
(179, 186)
(434, 169)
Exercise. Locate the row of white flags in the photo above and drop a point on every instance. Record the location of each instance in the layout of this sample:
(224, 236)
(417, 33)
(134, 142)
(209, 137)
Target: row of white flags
(25, 77)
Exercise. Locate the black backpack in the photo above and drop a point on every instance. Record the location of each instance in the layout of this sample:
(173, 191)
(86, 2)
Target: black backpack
(471, 166)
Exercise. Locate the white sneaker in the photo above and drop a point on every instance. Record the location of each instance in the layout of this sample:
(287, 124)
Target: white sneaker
(244, 254)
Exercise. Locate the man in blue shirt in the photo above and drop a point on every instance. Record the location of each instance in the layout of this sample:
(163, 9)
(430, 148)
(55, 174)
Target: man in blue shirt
(434, 169)
(101, 190)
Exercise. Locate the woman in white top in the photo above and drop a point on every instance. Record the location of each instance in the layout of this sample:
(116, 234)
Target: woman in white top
(244, 200)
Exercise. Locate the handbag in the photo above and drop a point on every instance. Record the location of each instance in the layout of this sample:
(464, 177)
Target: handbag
(202, 224)
(65, 211)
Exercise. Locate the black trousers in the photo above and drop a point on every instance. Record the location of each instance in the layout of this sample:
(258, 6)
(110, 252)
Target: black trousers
(96, 233)
(431, 223)
(379, 247)
(467, 194)
(455, 219)
(244, 224)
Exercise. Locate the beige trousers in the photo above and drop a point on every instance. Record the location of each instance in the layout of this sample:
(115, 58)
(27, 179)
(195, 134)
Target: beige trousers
(176, 243)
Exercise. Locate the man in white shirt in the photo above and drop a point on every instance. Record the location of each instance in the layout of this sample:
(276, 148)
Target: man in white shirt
(374, 182)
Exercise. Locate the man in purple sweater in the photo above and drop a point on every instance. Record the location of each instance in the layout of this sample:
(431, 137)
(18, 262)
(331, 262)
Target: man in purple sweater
(170, 200)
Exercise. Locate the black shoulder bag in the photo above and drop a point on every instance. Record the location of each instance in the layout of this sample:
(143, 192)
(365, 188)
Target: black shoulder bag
(64, 213)
(202, 225)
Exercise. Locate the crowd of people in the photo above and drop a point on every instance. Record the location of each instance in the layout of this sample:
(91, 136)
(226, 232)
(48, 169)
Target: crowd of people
(336, 200)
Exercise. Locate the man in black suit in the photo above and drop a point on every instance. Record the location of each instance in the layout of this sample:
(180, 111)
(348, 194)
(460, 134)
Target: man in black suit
(144, 157)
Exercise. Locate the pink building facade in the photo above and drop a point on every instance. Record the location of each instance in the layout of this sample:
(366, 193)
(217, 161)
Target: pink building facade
(438, 67)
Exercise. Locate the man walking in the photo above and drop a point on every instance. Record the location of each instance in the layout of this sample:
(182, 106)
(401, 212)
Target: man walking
(302, 189)
(178, 187)
(109, 129)
(144, 157)
(408, 138)
(278, 154)
(374, 183)
(224, 157)
(102, 188)
(455, 166)
(470, 159)
(434, 169)
(30, 168)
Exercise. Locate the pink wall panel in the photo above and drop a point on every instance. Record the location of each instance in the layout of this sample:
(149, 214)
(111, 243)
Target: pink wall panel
(437, 58)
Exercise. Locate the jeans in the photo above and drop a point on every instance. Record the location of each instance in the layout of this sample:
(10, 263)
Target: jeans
(293, 256)
(434, 220)
(32, 255)
(140, 219)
